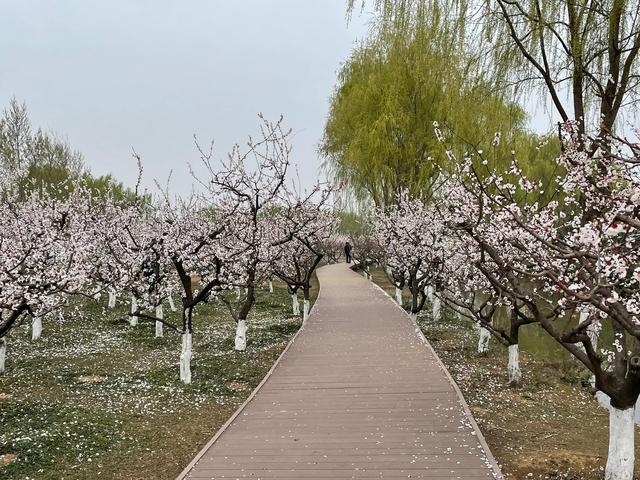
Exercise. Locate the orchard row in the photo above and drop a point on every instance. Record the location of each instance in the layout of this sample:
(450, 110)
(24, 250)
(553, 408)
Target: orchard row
(246, 226)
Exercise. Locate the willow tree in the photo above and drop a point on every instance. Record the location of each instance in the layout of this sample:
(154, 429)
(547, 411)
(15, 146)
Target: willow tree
(379, 137)
(580, 55)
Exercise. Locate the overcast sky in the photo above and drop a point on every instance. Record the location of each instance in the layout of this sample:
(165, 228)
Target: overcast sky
(112, 75)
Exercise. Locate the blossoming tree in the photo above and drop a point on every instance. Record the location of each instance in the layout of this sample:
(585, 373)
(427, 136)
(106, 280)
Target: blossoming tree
(42, 258)
(412, 235)
(552, 258)
(300, 257)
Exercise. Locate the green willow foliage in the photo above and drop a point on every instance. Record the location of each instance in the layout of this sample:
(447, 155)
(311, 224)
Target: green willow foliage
(580, 57)
(353, 224)
(379, 137)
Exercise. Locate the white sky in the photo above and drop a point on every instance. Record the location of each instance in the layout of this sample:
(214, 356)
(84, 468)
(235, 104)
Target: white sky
(112, 75)
(149, 74)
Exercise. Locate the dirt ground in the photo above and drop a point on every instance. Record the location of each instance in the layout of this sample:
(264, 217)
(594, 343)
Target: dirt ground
(549, 428)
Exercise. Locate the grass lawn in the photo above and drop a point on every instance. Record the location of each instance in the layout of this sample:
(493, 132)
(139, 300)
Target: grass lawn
(97, 398)
(550, 427)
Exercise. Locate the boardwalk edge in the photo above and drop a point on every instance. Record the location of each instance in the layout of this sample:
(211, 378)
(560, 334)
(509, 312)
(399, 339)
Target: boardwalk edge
(184, 474)
(497, 472)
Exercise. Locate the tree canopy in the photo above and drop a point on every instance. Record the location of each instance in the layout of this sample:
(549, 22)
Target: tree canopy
(43, 162)
(582, 57)
(379, 137)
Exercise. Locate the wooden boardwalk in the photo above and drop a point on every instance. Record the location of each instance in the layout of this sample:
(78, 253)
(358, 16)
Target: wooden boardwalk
(358, 394)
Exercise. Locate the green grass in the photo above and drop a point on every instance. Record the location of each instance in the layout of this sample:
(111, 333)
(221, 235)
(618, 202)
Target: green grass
(97, 398)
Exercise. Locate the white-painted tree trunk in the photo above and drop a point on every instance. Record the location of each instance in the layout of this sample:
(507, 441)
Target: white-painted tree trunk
(429, 292)
(413, 316)
(305, 310)
(605, 402)
(36, 328)
(592, 332)
(270, 286)
(295, 305)
(97, 296)
(112, 299)
(513, 367)
(399, 296)
(133, 320)
(436, 308)
(584, 316)
(159, 325)
(3, 354)
(483, 340)
(238, 293)
(603, 399)
(241, 336)
(185, 358)
(621, 445)
(172, 304)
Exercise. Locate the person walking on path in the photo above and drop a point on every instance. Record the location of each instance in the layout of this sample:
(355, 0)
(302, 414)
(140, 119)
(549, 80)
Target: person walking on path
(347, 251)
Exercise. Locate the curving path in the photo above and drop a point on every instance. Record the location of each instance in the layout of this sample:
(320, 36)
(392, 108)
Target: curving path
(358, 394)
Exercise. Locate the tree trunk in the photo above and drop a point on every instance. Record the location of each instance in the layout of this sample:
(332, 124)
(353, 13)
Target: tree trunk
(584, 316)
(36, 328)
(513, 367)
(270, 286)
(295, 304)
(172, 305)
(112, 299)
(621, 445)
(592, 333)
(428, 291)
(3, 354)
(306, 308)
(185, 358)
(238, 293)
(399, 296)
(483, 340)
(133, 320)
(241, 327)
(159, 314)
(436, 308)
(241, 336)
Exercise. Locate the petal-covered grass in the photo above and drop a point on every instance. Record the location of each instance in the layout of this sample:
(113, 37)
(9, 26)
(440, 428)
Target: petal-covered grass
(97, 398)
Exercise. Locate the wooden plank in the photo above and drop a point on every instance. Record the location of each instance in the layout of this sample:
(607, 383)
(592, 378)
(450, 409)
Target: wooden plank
(359, 394)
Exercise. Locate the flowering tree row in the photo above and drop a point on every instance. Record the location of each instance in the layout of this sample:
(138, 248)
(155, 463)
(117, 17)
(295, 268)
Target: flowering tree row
(567, 246)
(244, 227)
